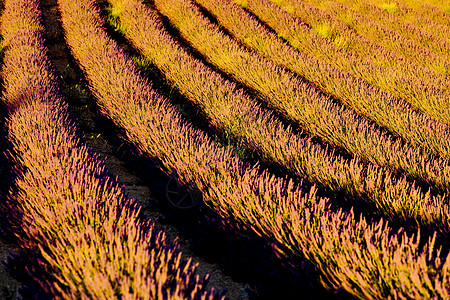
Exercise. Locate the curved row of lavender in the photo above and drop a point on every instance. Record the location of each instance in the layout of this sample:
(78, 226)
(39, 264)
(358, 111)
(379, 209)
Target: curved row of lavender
(424, 31)
(404, 82)
(403, 20)
(299, 101)
(296, 223)
(430, 18)
(391, 40)
(369, 101)
(66, 208)
(236, 113)
(436, 11)
(333, 29)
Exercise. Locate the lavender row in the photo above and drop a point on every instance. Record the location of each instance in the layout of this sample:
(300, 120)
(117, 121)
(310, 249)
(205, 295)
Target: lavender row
(431, 17)
(336, 43)
(429, 57)
(404, 21)
(436, 10)
(331, 27)
(65, 204)
(240, 116)
(406, 84)
(300, 224)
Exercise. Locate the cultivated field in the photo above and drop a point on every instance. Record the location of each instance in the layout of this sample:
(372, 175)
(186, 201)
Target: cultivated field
(212, 149)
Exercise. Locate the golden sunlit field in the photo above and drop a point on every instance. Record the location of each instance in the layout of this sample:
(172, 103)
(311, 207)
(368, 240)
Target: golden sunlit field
(225, 149)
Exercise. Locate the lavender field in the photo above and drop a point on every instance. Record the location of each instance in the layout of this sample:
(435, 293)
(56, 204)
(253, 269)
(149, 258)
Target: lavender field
(225, 149)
